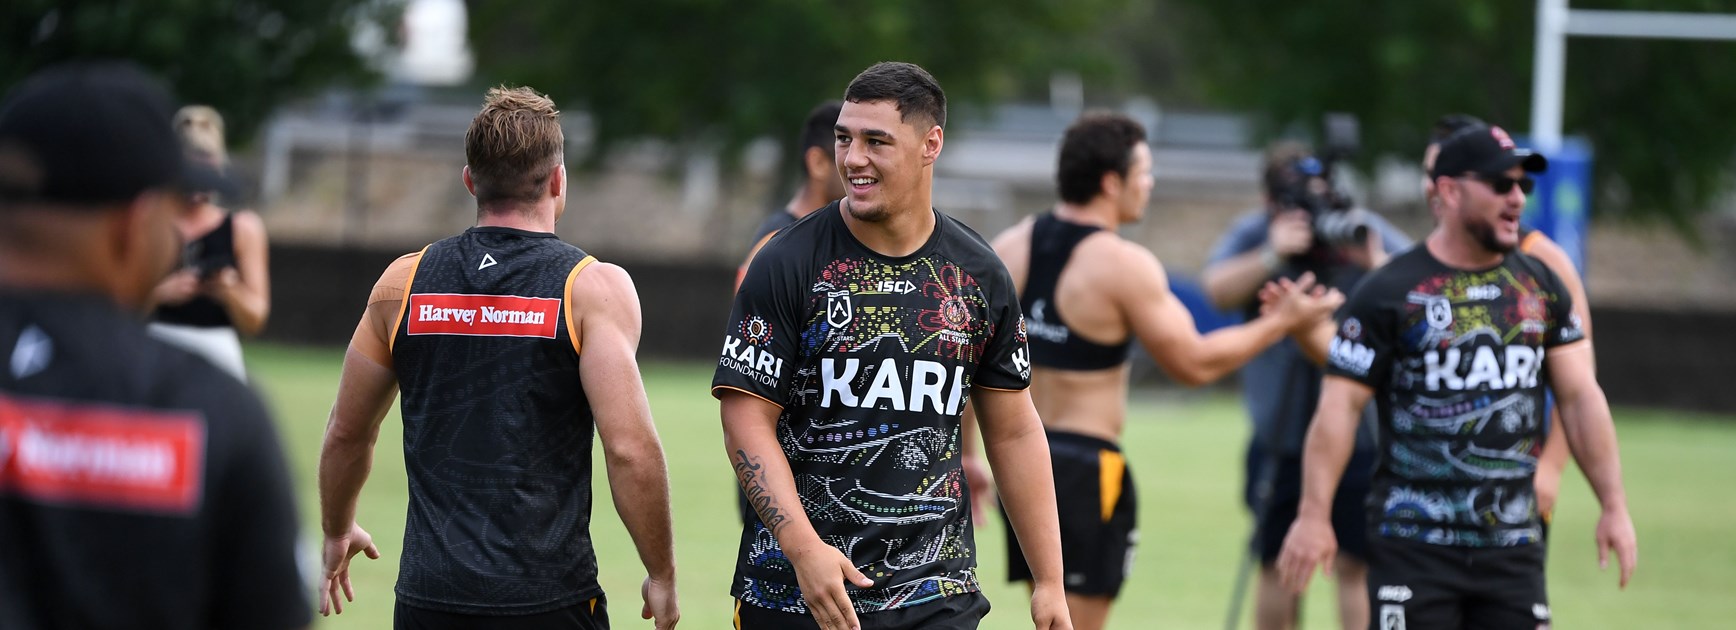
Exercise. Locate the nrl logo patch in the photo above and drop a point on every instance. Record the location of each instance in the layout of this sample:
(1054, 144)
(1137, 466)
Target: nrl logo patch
(838, 309)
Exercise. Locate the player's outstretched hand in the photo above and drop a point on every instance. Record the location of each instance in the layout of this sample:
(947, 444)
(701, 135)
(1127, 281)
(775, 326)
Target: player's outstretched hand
(1615, 530)
(1309, 545)
(660, 603)
(1049, 608)
(821, 571)
(338, 551)
(1302, 301)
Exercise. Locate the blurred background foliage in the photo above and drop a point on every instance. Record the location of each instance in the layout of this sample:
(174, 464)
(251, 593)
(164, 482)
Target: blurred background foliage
(721, 73)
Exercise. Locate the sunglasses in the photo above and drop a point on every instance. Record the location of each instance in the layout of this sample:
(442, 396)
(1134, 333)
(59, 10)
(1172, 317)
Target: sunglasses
(1503, 185)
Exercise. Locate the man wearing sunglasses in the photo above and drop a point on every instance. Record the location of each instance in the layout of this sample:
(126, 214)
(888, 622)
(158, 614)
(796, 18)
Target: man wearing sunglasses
(1538, 245)
(1455, 341)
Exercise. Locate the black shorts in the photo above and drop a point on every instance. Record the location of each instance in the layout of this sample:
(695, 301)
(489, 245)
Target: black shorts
(1099, 516)
(958, 612)
(1418, 586)
(591, 614)
(1349, 505)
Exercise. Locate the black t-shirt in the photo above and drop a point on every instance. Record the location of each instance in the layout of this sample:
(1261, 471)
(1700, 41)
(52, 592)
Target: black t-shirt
(775, 221)
(872, 359)
(497, 428)
(140, 487)
(1456, 359)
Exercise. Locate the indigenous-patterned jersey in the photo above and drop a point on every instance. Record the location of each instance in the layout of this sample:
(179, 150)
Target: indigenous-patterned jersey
(872, 359)
(1456, 359)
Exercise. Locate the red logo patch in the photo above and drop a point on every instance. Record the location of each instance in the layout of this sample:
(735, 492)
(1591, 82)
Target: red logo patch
(102, 457)
(483, 315)
(1501, 137)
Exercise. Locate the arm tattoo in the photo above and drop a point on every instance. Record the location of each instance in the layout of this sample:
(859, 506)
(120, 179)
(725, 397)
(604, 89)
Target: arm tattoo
(758, 494)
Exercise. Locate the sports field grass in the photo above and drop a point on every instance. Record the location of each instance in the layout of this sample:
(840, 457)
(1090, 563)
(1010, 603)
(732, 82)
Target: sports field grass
(1185, 449)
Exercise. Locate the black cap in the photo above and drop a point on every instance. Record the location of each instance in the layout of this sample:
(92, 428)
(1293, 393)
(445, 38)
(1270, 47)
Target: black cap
(88, 133)
(1485, 150)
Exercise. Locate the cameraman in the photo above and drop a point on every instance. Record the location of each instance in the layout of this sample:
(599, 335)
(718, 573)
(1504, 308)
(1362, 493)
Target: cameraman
(1281, 385)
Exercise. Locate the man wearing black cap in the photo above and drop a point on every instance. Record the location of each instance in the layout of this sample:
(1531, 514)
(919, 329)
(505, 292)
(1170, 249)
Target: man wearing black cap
(1455, 341)
(140, 487)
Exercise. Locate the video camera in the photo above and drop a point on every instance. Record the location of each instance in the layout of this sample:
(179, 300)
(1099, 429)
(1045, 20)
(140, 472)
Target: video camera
(1336, 220)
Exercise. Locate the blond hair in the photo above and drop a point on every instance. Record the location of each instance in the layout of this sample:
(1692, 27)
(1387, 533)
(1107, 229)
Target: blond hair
(513, 145)
(201, 131)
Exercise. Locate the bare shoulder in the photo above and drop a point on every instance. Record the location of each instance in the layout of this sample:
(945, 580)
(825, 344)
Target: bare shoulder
(1116, 266)
(603, 286)
(1132, 259)
(1013, 239)
(397, 273)
(1550, 253)
(247, 220)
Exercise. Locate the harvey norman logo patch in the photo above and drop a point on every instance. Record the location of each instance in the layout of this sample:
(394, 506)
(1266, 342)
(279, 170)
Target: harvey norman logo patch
(483, 315)
(110, 458)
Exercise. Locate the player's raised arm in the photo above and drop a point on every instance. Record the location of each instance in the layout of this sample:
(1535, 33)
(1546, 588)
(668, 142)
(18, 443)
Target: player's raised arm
(1167, 330)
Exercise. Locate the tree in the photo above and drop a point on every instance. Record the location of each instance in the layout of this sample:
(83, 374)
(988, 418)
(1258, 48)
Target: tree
(241, 57)
(1657, 112)
(726, 72)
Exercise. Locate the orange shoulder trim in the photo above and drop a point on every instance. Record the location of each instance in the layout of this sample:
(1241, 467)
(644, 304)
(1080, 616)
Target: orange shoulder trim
(567, 300)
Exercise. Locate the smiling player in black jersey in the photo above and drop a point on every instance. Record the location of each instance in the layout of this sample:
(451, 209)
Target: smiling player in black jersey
(857, 338)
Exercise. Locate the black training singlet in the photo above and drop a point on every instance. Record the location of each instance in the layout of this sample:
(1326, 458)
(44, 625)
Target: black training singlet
(205, 256)
(1053, 344)
(497, 429)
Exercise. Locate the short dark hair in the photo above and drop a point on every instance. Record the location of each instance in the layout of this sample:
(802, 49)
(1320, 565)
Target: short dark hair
(817, 131)
(911, 88)
(1450, 124)
(513, 145)
(1097, 144)
(1279, 172)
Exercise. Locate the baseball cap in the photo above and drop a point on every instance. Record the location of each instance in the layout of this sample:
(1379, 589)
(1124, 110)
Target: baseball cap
(1486, 150)
(88, 133)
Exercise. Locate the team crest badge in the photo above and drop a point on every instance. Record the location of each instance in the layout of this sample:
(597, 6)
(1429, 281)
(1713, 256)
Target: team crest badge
(1392, 617)
(838, 309)
(1439, 312)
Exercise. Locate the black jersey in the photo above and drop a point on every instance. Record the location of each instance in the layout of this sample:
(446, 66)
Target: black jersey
(1053, 344)
(140, 487)
(497, 429)
(872, 359)
(1456, 359)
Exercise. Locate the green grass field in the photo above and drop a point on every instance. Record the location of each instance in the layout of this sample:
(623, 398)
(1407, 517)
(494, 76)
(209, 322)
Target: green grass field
(1186, 452)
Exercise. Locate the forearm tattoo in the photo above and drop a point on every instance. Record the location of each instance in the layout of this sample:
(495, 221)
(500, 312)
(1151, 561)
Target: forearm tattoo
(759, 494)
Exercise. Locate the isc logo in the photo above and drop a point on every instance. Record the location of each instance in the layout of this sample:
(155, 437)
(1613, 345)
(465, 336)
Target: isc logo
(895, 286)
(1483, 292)
(1400, 594)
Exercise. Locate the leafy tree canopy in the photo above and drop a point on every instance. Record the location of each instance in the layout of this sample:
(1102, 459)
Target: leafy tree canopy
(1658, 112)
(243, 57)
(729, 71)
